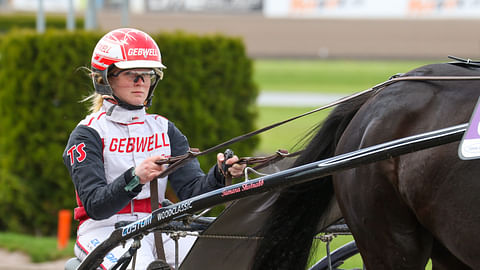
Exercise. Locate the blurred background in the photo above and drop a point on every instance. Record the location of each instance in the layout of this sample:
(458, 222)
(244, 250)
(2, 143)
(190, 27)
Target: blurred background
(302, 54)
(309, 29)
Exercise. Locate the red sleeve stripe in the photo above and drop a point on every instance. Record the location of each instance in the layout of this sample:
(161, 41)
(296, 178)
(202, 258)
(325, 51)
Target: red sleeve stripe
(100, 115)
(90, 122)
(98, 118)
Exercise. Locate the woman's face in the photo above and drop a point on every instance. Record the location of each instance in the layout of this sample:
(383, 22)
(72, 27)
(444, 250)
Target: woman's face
(131, 85)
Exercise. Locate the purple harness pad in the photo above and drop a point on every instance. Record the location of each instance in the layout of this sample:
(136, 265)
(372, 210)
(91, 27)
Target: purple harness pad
(470, 145)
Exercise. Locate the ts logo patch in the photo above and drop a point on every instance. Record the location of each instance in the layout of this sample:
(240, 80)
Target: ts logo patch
(81, 153)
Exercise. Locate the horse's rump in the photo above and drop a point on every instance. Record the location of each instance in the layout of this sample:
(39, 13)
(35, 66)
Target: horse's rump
(402, 210)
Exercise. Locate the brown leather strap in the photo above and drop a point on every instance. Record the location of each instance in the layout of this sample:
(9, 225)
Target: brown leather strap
(178, 161)
(262, 162)
(156, 234)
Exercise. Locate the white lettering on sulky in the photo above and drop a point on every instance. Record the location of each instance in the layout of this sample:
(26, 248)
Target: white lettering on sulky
(181, 207)
(137, 225)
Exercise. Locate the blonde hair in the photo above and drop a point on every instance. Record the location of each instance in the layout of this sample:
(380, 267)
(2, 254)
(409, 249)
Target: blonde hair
(95, 99)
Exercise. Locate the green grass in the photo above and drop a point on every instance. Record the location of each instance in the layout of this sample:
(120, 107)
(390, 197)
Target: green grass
(40, 249)
(355, 262)
(327, 76)
(320, 76)
(288, 135)
(319, 251)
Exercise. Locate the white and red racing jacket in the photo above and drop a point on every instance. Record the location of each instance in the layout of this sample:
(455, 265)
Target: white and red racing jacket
(104, 148)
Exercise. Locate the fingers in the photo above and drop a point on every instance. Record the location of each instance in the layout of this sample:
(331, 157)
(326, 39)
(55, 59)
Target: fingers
(236, 170)
(232, 160)
(149, 170)
(220, 159)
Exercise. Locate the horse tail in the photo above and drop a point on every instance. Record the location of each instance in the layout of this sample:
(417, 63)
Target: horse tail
(297, 212)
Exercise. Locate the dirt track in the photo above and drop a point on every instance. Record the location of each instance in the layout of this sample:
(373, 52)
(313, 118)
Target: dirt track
(326, 38)
(19, 261)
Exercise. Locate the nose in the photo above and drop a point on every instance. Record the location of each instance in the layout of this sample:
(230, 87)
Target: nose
(137, 78)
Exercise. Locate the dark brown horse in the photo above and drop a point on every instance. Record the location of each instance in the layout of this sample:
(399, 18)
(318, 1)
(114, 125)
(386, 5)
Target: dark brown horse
(401, 211)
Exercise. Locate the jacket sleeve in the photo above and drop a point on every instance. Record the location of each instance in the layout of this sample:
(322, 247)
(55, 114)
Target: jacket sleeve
(83, 158)
(190, 180)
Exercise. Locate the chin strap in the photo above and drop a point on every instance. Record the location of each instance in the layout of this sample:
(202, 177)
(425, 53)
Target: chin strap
(126, 105)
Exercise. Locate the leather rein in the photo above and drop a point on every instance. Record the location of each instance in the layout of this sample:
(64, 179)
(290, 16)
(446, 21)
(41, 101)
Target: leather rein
(178, 161)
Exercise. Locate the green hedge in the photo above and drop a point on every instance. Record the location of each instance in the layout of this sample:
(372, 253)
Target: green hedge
(15, 21)
(207, 91)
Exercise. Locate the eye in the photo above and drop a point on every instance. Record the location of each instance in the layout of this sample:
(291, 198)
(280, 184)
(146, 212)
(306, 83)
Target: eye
(149, 74)
(130, 74)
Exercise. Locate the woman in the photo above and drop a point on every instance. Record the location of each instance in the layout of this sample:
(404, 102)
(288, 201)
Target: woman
(111, 154)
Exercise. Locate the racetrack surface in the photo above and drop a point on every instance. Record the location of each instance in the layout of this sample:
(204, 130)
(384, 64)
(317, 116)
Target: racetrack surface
(19, 261)
(321, 38)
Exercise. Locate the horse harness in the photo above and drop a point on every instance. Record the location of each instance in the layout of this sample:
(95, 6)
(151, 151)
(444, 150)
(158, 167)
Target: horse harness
(177, 161)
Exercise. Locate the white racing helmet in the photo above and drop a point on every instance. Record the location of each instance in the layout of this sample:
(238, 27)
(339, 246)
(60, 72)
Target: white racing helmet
(126, 48)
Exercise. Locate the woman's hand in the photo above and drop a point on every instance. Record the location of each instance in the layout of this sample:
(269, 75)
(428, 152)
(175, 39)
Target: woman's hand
(236, 170)
(149, 170)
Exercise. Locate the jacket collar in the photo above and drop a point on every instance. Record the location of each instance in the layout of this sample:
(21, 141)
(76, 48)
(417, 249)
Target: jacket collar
(121, 115)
